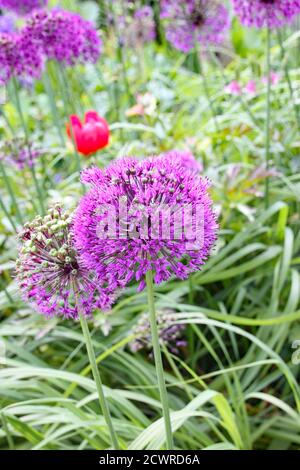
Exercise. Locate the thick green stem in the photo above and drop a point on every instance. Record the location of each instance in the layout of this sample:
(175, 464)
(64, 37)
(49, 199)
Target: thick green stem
(267, 132)
(158, 361)
(98, 381)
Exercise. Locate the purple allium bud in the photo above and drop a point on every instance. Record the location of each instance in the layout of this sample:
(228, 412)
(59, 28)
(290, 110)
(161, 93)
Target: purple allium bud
(48, 269)
(7, 23)
(205, 21)
(186, 159)
(266, 13)
(170, 333)
(145, 215)
(64, 36)
(17, 153)
(22, 7)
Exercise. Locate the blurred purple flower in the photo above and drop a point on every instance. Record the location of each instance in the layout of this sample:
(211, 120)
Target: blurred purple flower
(205, 21)
(20, 57)
(18, 154)
(137, 29)
(266, 13)
(22, 7)
(48, 269)
(155, 191)
(185, 159)
(63, 36)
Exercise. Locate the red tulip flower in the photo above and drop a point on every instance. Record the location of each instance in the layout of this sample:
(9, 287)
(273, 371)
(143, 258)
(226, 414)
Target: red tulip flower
(89, 136)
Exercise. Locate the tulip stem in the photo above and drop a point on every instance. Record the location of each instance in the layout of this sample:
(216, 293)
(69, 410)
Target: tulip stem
(158, 361)
(267, 131)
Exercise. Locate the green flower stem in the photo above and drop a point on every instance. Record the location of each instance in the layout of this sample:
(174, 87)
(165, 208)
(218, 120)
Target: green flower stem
(288, 78)
(32, 169)
(158, 361)
(97, 378)
(200, 70)
(12, 197)
(2, 205)
(267, 129)
(70, 110)
(159, 30)
(54, 111)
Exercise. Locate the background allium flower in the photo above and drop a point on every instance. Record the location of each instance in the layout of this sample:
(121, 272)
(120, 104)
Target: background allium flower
(156, 188)
(17, 153)
(20, 57)
(170, 334)
(7, 23)
(48, 266)
(64, 36)
(138, 29)
(205, 21)
(186, 159)
(266, 13)
(22, 7)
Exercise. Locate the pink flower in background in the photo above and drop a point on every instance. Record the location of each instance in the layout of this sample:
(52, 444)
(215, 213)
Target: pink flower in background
(145, 104)
(274, 78)
(234, 88)
(250, 88)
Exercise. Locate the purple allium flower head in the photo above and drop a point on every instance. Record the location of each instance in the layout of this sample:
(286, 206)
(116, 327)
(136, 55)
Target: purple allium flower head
(7, 23)
(22, 7)
(144, 215)
(170, 333)
(20, 57)
(48, 269)
(186, 159)
(205, 21)
(17, 153)
(266, 13)
(64, 36)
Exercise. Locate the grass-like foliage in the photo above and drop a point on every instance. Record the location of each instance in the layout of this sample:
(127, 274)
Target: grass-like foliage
(231, 343)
